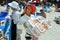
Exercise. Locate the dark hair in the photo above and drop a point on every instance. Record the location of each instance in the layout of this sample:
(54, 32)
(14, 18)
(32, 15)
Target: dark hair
(23, 14)
(41, 10)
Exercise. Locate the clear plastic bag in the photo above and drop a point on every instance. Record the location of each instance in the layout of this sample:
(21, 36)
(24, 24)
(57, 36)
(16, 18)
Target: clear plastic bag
(38, 25)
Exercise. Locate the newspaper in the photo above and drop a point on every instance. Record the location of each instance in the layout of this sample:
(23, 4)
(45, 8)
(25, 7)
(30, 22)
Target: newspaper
(38, 25)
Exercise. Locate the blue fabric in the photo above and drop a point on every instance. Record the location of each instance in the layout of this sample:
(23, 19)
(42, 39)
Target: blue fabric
(8, 1)
(7, 24)
(2, 18)
(59, 4)
(20, 7)
(7, 8)
(3, 15)
(10, 31)
(39, 14)
(2, 28)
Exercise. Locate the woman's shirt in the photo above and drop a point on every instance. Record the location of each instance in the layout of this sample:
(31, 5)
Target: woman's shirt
(24, 19)
(15, 16)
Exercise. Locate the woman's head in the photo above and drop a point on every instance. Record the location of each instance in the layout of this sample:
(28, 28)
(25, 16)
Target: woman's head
(41, 11)
(14, 5)
(29, 9)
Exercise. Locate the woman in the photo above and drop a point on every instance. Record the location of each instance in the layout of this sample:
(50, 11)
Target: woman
(43, 13)
(58, 6)
(14, 14)
(28, 10)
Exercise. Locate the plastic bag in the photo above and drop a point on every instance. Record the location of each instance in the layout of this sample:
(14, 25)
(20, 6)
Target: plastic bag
(38, 25)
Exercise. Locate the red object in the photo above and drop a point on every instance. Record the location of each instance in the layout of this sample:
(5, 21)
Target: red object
(32, 0)
(37, 1)
(31, 8)
(34, 38)
(45, 0)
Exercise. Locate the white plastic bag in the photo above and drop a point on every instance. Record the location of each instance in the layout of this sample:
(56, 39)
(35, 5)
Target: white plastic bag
(38, 25)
